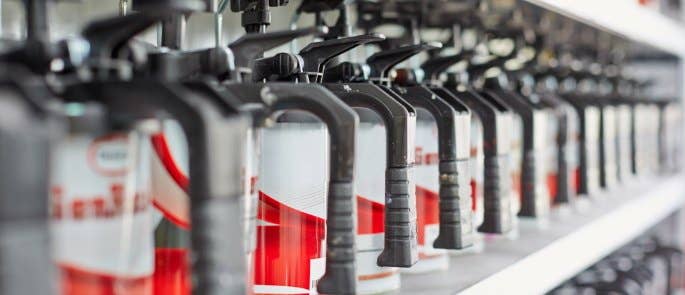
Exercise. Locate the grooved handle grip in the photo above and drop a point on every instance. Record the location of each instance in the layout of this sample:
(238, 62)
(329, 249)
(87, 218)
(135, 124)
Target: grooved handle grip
(564, 193)
(497, 195)
(534, 203)
(401, 248)
(218, 229)
(341, 275)
(456, 226)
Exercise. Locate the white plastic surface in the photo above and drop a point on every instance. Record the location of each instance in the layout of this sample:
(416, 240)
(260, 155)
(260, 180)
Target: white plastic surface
(542, 257)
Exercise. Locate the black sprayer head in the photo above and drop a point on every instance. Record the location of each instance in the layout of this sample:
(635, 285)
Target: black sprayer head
(281, 66)
(346, 72)
(316, 55)
(432, 68)
(252, 46)
(382, 62)
(106, 37)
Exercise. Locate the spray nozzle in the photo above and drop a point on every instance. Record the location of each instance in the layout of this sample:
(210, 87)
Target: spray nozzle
(316, 55)
(433, 67)
(252, 46)
(107, 36)
(382, 62)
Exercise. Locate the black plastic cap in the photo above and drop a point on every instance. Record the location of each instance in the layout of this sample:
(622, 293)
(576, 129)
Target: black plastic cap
(316, 55)
(498, 217)
(383, 61)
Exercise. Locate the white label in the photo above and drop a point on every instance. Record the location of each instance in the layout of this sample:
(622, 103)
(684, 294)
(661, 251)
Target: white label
(101, 214)
(370, 167)
(515, 160)
(107, 156)
(427, 158)
(293, 174)
(317, 268)
(294, 166)
(370, 162)
(477, 169)
(609, 140)
(432, 231)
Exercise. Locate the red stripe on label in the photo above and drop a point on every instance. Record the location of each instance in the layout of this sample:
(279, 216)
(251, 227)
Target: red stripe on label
(516, 185)
(474, 195)
(575, 180)
(284, 251)
(427, 211)
(161, 148)
(553, 186)
(370, 216)
(271, 210)
(172, 271)
(376, 276)
(171, 277)
(80, 281)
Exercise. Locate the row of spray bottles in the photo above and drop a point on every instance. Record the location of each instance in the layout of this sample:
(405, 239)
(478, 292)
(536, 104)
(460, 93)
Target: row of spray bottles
(225, 171)
(647, 265)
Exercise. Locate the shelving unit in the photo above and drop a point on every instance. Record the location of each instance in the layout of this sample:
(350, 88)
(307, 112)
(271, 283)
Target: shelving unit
(626, 18)
(573, 239)
(540, 256)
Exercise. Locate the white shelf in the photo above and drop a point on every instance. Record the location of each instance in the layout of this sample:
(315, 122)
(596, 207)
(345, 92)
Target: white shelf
(625, 17)
(541, 258)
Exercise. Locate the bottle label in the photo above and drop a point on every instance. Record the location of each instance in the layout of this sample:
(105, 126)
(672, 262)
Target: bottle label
(369, 182)
(477, 171)
(592, 117)
(515, 161)
(290, 211)
(551, 156)
(427, 187)
(102, 216)
(623, 135)
(292, 208)
(573, 147)
(609, 142)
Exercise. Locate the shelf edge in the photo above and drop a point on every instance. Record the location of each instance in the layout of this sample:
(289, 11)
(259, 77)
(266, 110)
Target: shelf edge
(604, 235)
